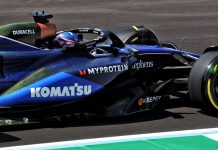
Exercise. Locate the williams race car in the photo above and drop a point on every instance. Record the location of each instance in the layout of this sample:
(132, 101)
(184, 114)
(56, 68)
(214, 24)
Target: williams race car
(46, 73)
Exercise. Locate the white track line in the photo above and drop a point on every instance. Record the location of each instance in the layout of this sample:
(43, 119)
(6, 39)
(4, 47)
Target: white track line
(212, 136)
(75, 143)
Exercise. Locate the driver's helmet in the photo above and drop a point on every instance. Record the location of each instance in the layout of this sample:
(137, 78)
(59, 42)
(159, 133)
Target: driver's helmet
(66, 40)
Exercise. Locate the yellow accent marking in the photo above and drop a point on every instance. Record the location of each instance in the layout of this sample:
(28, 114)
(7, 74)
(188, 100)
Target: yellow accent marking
(135, 28)
(215, 68)
(209, 94)
(133, 40)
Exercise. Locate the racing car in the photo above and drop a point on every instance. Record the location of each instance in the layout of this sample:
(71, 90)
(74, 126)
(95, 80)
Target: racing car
(109, 75)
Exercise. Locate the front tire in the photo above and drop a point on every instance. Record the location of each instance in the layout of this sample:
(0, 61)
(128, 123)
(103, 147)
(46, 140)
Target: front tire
(203, 82)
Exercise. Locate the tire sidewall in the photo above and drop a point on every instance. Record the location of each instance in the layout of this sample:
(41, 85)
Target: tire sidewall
(202, 81)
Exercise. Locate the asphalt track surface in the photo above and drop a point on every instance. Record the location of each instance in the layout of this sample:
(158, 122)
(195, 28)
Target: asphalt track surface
(170, 19)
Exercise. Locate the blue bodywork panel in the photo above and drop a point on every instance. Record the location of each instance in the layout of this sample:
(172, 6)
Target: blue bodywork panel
(31, 75)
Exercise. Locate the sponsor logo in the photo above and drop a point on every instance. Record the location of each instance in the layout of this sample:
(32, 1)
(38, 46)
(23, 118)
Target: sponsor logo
(98, 30)
(82, 72)
(83, 30)
(75, 90)
(148, 99)
(23, 32)
(140, 101)
(142, 65)
(105, 70)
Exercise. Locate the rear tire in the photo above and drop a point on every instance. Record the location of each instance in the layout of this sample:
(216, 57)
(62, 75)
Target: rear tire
(203, 82)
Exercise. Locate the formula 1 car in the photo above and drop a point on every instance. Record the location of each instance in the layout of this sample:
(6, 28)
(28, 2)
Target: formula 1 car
(111, 75)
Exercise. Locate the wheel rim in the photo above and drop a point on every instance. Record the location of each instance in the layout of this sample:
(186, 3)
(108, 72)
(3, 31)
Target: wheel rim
(212, 85)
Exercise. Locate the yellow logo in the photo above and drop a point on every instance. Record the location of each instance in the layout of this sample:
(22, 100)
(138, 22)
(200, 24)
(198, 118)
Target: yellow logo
(140, 101)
